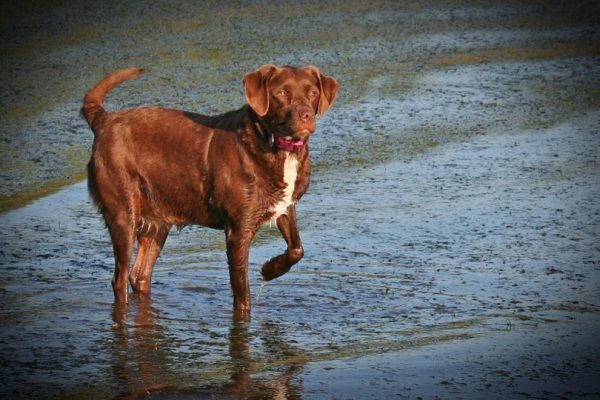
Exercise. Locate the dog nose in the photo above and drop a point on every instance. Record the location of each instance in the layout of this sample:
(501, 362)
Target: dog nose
(306, 114)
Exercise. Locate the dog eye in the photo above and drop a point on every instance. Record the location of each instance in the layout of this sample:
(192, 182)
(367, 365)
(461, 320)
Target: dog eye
(313, 93)
(282, 93)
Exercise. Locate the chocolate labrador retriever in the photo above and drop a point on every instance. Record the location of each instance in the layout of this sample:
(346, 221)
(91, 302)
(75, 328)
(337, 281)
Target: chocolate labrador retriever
(152, 168)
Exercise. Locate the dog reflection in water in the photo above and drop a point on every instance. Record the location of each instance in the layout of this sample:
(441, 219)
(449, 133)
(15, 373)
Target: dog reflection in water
(145, 359)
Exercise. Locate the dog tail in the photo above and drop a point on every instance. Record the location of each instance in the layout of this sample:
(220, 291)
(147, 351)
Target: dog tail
(93, 102)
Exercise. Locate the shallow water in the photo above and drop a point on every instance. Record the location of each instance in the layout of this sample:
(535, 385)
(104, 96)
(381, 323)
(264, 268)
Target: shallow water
(465, 240)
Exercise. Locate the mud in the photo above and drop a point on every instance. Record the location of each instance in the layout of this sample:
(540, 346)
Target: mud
(450, 230)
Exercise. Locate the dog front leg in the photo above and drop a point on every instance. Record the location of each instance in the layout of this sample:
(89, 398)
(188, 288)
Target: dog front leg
(281, 264)
(238, 248)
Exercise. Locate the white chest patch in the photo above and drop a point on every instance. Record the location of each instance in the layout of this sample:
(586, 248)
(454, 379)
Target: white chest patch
(290, 173)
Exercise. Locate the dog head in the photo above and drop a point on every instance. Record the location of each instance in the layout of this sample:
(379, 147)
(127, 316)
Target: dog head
(287, 99)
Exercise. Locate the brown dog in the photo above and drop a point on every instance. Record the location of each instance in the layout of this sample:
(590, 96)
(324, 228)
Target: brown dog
(152, 168)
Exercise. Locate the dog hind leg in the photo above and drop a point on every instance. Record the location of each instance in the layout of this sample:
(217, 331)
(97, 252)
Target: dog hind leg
(123, 235)
(150, 244)
(121, 210)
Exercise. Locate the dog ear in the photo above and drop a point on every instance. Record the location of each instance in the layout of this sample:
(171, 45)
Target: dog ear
(256, 87)
(328, 88)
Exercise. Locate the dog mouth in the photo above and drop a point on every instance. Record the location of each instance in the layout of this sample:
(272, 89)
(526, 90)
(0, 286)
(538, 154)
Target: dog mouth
(292, 141)
(289, 143)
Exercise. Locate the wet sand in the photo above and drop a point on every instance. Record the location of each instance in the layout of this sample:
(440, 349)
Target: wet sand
(522, 363)
(492, 222)
(450, 229)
